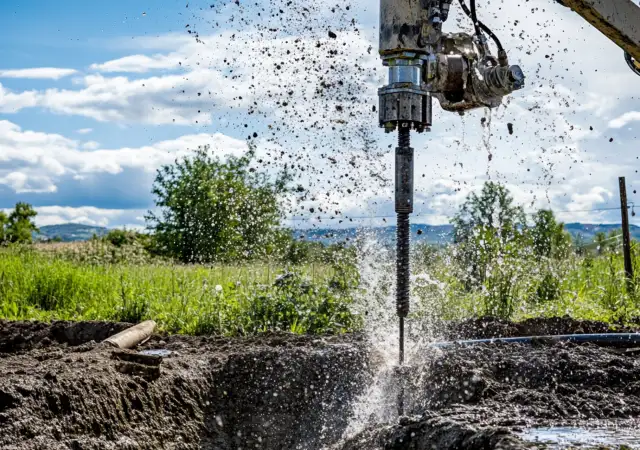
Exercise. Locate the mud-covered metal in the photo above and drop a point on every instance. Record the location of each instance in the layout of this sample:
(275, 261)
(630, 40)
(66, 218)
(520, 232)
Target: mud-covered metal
(634, 64)
(456, 68)
(618, 20)
(411, 25)
(466, 76)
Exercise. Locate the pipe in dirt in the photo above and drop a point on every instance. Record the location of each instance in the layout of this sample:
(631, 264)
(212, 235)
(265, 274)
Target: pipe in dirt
(610, 339)
(132, 336)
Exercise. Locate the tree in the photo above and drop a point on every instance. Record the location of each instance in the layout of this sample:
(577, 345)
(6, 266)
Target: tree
(614, 240)
(211, 210)
(601, 242)
(488, 227)
(20, 226)
(549, 238)
(4, 220)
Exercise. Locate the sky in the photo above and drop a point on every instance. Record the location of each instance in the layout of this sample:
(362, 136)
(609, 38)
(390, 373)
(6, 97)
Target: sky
(96, 96)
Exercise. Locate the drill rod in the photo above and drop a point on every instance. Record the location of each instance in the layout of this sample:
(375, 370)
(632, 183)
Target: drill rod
(404, 206)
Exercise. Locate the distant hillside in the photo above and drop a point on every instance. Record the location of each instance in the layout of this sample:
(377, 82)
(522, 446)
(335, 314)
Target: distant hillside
(70, 232)
(588, 231)
(437, 234)
(431, 234)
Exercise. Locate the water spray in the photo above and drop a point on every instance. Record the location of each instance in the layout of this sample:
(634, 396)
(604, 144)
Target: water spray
(459, 71)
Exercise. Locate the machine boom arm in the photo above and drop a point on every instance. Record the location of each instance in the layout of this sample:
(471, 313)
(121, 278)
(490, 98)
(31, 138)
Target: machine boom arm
(619, 20)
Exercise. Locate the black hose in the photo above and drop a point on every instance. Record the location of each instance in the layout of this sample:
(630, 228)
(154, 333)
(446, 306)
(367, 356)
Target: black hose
(474, 17)
(476, 23)
(609, 339)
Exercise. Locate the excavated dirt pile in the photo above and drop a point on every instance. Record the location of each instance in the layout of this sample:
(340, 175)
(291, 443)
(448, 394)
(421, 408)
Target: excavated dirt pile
(483, 397)
(61, 390)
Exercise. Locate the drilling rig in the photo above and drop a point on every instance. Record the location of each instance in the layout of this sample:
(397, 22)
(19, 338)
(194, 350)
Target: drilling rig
(459, 70)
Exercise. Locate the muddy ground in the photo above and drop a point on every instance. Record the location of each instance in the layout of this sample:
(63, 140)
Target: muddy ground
(483, 397)
(59, 389)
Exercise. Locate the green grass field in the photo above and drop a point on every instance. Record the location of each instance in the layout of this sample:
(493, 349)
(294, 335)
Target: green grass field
(96, 282)
(228, 300)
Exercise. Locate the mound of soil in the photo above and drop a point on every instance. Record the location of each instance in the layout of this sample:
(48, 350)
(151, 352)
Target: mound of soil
(59, 389)
(489, 328)
(23, 336)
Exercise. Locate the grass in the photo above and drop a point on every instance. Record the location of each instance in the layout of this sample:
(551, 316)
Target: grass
(96, 281)
(592, 287)
(225, 300)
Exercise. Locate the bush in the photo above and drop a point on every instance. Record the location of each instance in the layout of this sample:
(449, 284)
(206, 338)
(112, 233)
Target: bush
(548, 289)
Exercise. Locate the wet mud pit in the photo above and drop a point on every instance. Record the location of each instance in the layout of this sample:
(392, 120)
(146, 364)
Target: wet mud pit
(59, 389)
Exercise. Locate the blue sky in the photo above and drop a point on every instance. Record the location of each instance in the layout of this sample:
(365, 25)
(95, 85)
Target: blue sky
(95, 96)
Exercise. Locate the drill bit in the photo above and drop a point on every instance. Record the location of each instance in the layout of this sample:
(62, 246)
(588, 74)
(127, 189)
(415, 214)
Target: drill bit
(404, 207)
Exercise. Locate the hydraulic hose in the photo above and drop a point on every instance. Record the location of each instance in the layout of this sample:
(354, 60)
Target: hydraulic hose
(476, 23)
(609, 339)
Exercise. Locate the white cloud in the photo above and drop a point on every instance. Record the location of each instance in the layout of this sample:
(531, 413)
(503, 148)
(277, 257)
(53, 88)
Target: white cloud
(625, 119)
(86, 215)
(22, 183)
(84, 130)
(32, 161)
(11, 102)
(138, 63)
(39, 73)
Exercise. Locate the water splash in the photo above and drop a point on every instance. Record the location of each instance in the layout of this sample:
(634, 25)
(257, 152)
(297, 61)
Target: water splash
(378, 403)
(486, 134)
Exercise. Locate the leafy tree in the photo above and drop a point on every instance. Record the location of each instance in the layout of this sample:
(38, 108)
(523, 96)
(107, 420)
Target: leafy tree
(4, 220)
(580, 244)
(119, 237)
(212, 210)
(601, 242)
(549, 238)
(488, 227)
(20, 226)
(614, 240)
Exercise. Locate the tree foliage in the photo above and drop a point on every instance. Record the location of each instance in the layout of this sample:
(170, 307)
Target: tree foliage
(19, 226)
(488, 227)
(4, 219)
(549, 238)
(211, 210)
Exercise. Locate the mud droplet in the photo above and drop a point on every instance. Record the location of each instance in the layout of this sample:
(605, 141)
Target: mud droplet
(510, 127)
(332, 35)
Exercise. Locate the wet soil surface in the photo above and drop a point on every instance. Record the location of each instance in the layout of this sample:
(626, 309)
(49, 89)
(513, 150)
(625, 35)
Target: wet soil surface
(483, 397)
(61, 390)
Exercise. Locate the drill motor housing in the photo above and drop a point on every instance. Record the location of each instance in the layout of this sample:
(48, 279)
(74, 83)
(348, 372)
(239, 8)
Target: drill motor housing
(458, 69)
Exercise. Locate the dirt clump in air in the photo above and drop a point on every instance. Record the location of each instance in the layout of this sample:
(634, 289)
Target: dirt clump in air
(60, 389)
